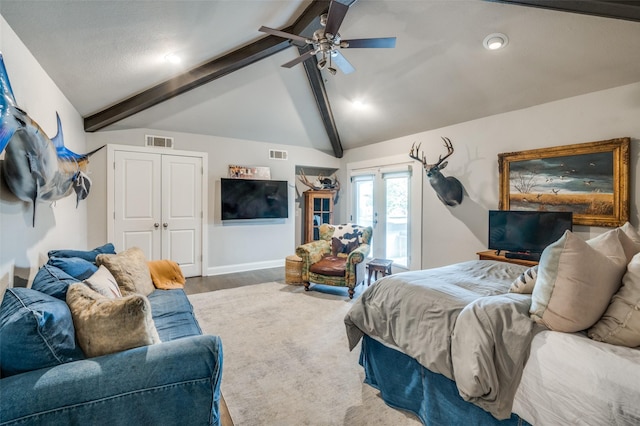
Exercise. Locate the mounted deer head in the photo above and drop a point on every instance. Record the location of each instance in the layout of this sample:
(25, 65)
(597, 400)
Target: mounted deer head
(448, 188)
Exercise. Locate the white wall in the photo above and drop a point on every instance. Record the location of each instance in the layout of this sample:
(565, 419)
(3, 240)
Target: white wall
(449, 234)
(238, 246)
(456, 234)
(24, 248)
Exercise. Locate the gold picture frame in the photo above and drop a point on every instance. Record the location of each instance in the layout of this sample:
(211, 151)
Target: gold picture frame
(589, 179)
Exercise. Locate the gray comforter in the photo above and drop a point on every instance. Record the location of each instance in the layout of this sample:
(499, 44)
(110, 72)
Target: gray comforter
(456, 320)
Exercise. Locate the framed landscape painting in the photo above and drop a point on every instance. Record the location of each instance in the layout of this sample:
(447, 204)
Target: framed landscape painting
(589, 179)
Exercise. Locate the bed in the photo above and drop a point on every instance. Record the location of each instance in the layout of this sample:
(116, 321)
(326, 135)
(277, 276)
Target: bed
(454, 346)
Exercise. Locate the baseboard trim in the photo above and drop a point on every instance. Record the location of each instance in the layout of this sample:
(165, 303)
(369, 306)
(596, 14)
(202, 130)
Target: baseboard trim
(243, 267)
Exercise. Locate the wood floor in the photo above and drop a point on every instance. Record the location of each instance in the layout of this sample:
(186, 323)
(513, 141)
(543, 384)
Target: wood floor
(220, 282)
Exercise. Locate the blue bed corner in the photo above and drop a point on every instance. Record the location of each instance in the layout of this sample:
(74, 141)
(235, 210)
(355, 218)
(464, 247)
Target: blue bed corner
(405, 384)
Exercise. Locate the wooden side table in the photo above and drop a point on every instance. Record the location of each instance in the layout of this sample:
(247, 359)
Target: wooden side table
(491, 255)
(379, 265)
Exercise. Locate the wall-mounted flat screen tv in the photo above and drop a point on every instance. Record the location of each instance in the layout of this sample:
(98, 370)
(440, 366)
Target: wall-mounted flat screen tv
(526, 231)
(254, 199)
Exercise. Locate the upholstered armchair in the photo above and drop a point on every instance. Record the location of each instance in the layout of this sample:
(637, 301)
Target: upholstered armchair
(338, 257)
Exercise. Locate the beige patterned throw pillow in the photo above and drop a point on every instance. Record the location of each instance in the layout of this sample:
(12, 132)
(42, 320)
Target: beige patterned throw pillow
(525, 283)
(130, 270)
(104, 326)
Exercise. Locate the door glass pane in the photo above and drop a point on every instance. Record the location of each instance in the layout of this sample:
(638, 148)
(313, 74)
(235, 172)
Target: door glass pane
(364, 201)
(363, 214)
(397, 215)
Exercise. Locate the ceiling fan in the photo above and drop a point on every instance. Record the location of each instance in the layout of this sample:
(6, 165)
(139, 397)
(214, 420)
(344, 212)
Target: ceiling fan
(327, 42)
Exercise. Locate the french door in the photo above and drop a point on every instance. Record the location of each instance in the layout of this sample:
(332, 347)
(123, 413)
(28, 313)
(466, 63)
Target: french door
(387, 198)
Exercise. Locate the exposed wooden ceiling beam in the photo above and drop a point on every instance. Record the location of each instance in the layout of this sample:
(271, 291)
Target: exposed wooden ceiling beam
(320, 95)
(203, 74)
(322, 101)
(619, 9)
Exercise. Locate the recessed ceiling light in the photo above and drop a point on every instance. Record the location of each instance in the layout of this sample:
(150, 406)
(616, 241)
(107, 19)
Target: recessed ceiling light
(495, 41)
(358, 103)
(172, 58)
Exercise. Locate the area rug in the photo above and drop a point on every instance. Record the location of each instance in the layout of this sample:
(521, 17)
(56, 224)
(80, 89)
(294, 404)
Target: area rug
(286, 358)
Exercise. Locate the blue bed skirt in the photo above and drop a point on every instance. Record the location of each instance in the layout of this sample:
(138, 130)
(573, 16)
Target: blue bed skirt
(407, 385)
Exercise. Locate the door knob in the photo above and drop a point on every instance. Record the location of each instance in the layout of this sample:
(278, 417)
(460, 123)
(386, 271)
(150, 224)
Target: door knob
(156, 225)
(165, 225)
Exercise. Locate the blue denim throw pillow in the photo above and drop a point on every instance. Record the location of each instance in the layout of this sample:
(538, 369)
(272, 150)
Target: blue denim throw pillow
(36, 331)
(53, 281)
(75, 266)
(89, 255)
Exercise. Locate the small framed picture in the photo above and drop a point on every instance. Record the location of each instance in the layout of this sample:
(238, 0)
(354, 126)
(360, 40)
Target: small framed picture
(248, 172)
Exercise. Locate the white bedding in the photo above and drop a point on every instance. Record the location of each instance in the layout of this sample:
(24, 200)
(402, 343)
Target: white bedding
(571, 379)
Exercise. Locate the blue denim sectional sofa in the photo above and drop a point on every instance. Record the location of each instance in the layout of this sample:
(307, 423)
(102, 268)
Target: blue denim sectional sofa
(173, 382)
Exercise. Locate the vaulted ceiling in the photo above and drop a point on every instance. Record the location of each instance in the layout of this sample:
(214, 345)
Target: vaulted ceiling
(108, 59)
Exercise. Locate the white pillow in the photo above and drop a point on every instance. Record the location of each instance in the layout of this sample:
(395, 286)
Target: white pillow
(525, 282)
(104, 283)
(576, 281)
(620, 324)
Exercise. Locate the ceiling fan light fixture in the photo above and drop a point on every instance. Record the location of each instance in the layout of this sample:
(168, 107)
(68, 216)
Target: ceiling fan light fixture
(495, 41)
(322, 63)
(332, 70)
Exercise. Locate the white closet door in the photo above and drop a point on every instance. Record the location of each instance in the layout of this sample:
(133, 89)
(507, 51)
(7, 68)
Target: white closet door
(182, 212)
(137, 202)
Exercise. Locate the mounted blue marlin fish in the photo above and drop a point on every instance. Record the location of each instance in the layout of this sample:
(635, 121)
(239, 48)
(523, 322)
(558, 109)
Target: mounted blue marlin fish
(37, 168)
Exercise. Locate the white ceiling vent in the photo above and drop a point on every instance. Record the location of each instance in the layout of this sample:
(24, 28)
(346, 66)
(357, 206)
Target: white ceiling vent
(158, 141)
(275, 154)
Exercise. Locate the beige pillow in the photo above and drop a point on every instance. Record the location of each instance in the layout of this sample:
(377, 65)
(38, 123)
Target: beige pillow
(104, 283)
(525, 282)
(576, 281)
(626, 234)
(130, 270)
(104, 326)
(620, 324)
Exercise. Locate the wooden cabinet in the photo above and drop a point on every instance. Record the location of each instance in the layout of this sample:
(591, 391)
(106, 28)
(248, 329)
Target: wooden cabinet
(318, 209)
(491, 255)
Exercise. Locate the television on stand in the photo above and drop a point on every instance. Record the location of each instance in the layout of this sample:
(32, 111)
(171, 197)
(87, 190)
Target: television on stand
(245, 199)
(525, 234)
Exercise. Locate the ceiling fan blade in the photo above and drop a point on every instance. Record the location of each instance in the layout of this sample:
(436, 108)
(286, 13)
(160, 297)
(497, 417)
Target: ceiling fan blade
(336, 14)
(306, 55)
(341, 62)
(282, 34)
(372, 42)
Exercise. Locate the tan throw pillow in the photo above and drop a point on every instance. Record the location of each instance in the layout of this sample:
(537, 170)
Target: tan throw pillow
(525, 282)
(628, 237)
(620, 324)
(104, 326)
(130, 270)
(576, 281)
(104, 283)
